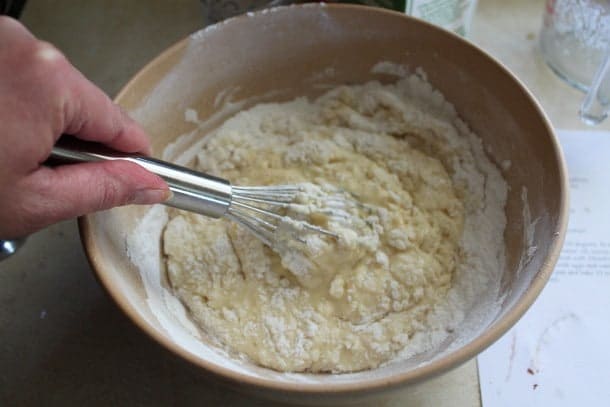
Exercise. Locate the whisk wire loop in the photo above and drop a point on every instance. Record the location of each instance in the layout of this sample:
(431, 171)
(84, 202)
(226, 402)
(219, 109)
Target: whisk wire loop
(261, 208)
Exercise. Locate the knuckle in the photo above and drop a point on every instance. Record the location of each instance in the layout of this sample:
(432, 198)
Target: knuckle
(47, 53)
(42, 68)
(9, 23)
(5, 21)
(112, 194)
(43, 64)
(117, 125)
(31, 215)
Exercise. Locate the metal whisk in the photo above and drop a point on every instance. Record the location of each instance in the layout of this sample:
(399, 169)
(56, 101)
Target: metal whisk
(260, 209)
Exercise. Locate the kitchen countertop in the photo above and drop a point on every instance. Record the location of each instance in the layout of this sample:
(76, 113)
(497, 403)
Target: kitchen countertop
(62, 340)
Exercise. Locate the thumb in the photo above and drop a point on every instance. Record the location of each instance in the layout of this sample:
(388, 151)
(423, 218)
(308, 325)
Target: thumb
(49, 195)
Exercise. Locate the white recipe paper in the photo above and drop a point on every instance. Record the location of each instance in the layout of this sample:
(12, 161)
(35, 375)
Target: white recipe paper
(558, 354)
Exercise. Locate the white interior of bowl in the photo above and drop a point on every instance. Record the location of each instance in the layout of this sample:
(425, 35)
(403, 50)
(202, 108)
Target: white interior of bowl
(172, 110)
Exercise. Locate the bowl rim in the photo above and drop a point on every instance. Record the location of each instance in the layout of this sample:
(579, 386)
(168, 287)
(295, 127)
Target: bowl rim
(441, 365)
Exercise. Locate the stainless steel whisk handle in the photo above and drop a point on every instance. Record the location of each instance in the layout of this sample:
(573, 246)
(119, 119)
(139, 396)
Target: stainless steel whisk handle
(192, 191)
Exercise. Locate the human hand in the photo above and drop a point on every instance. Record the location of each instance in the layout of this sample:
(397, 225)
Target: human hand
(42, 96)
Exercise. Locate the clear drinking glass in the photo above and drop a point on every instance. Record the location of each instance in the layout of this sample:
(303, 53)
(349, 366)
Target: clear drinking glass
(575, 42)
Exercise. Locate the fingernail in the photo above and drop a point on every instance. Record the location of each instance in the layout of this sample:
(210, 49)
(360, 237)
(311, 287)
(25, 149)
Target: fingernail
(151, 196)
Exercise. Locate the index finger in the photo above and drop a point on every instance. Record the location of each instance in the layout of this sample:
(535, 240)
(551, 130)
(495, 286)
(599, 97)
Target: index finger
(90, 115)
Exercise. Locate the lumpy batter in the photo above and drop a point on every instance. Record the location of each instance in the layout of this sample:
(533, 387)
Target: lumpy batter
(334, 304)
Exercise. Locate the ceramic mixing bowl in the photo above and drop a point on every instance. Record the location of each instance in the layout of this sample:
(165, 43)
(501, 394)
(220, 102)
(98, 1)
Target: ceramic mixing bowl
(277, 55)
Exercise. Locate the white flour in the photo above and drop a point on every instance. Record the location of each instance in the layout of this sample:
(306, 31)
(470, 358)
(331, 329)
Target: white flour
(430, 247)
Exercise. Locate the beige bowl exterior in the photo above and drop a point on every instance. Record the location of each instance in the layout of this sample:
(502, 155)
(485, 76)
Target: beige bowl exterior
(289, 50)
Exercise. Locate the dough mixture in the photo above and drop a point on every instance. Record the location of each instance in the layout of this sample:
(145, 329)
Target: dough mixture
(421, 183)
